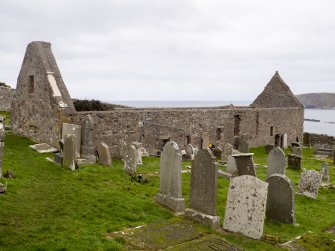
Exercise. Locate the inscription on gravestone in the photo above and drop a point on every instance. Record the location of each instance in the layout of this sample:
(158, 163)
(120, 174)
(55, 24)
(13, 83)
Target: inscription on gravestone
(310, 183)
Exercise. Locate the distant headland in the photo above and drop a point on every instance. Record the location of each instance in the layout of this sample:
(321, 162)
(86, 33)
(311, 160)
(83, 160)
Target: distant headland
(317, 100)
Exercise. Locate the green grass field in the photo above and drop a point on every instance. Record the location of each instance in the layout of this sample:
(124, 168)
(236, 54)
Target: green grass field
(48, 207)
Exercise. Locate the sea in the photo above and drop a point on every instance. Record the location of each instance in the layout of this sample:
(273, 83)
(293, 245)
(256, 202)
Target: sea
(326, 117)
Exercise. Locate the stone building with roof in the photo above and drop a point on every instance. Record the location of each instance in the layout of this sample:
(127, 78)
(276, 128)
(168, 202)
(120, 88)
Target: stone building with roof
(42, 103)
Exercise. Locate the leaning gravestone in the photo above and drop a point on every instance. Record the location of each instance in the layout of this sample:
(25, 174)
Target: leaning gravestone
(310, 183)
(104, 153)
(231, 165)
(227, 151)
(276, 162)
(203, 190)
(244, 164)
(293, 161)
(130, 161)
(75, 130)
(69, 151)
(87, 148)
(280, 201)
(246, 204)
(170, 194)
(324, 173)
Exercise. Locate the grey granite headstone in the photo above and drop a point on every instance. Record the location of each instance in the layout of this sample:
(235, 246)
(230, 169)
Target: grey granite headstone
(2, 146)
(246, 204)
(130, 160)
(203, 192)
(276, 162)
(138, 146)
(244, 164)
(104, 153)
(280, 202)
(87, 147)
(310, 183)
(243, 145)
(293, 161)
(69, 151)
(75, 130)
(227, 151)
(324, 173)
(231, 165)
(170, 194)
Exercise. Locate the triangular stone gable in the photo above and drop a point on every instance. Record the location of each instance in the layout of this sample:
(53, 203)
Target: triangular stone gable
(42, 102)
(276, 94)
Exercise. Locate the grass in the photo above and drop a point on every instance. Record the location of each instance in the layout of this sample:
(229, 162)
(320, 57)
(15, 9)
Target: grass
(48, 207)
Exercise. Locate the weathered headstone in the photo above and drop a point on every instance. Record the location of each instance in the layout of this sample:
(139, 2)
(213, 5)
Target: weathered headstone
(2, 146)
(310, 183)
(324, 173)
(69, 151)
(130, 161)
(244, 145)
(297, 151)
(276, 162)
(138, 146)
(246, 204)
(227, 151)
(280, 200)
(43, 148)
(293, 161)
(170, 194)
(2, 132)
(75, 130)
(202, 207)
(284, 141)
(244, 164)
(123, 147)
(231, 165)
(189, 149)
(104, 153)
(87, 148)
(268, 148)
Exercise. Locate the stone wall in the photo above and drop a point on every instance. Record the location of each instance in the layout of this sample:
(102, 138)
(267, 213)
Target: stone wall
(313, 139)
(153, 127)
(6, 97)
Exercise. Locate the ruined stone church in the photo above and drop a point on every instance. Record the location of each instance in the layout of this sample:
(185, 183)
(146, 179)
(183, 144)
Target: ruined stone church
(42, 104)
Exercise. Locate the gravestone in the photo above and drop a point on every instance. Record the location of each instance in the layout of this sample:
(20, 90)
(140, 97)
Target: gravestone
(227, 151)
(123, 147)
(43, 148)
(297, 151)
(244, 164)
(246, 204)
(276, 162)
(268, 148)
(170, 194)
(205, 140)
(87, 148)
(130, 161)
(203, 192)
(69, 151)
(138, 146)
(324, 173)
(284, 143)
(2, 132)
(75, 130)
(231, 165)
(217, 152)
(280, 200)
(189, 151)
(293, 161)
(243, 146)
(104, 153)
(310, 183)
(2, 146)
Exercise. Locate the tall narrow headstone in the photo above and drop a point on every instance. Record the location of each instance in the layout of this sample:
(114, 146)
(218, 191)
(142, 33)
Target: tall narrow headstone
(104, 152)
(280, 202)
(69, 151)
(138, 146)
(202, 207)
(75, 130)
(170, 194)
(227, 151)
(205, 140)
(310, 183)
(324, 173)
(130, 161)
(276, 162)
(87, 148)
(284, 140)
(246, 204)
(244, 164)
(123, 149)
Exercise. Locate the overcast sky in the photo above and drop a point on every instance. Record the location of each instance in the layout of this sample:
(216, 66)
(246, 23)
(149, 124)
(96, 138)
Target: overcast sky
(175, 49)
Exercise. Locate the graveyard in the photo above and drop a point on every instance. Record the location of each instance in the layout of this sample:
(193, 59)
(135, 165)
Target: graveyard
(99, 207)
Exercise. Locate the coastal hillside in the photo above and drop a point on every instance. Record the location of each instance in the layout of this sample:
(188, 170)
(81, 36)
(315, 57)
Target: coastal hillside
(317, 100)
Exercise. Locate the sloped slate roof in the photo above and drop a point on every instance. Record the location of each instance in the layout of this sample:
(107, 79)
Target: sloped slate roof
(276, 94)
